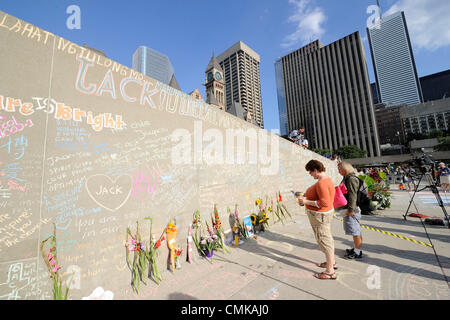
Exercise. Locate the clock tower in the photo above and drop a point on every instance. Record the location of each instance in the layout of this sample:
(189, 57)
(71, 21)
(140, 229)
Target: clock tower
(215, 84)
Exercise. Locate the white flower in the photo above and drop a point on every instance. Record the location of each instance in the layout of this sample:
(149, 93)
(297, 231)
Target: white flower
(100, 294)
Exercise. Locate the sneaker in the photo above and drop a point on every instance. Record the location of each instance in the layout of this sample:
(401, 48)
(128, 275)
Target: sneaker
(350, 251)
(353, 255)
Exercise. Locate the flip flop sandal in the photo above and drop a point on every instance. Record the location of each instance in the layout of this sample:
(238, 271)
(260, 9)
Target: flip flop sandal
(325, 276)
(324, 265)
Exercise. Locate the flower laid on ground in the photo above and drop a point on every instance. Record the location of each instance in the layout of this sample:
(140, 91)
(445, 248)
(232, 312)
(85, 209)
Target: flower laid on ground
(171, 233)
(152, 254)
(51, 262)
(219, 229)
(100, 294)
(139, 263)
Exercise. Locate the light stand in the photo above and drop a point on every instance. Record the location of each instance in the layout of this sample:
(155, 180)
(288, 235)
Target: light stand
(432, 186)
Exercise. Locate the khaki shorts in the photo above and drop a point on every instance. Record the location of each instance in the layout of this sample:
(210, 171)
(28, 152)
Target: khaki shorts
(321, 225)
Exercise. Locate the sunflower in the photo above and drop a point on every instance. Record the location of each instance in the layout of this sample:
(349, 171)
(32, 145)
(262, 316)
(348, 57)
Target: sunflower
(253, 218)
(258, 202)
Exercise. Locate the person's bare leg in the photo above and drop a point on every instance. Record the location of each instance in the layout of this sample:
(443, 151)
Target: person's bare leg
(330, 263)
(357, 240)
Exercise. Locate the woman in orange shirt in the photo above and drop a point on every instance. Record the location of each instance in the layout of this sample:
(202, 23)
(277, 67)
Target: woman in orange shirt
(319, 208)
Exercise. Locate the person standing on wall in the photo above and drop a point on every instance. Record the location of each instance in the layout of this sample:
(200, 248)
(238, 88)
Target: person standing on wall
(351, 212)
(304, 141)
(294, 136)
(319, 209)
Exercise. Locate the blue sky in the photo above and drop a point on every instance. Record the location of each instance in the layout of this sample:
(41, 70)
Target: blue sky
(189, 31)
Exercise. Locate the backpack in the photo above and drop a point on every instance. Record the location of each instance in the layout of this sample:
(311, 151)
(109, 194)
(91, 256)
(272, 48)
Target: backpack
(362, 198)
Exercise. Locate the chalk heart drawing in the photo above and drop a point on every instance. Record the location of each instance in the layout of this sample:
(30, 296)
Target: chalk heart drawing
(109, 193)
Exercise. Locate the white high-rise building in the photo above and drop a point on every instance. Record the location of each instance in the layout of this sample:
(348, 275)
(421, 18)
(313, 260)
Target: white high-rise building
(393, 61)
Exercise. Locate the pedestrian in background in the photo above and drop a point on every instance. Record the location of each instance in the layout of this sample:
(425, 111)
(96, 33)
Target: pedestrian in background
(304, 142)
(444, 176)
(351, 212)
(293, 136)
(319, 208)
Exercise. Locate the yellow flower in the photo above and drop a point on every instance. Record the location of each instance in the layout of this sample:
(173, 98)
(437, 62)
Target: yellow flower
(253, 218)
(258, 202)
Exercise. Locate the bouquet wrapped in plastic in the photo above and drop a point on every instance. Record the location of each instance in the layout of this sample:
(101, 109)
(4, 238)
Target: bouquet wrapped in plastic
(171, 233)
(219, 229)
(53, 267)
(153, 272)
(139, 264)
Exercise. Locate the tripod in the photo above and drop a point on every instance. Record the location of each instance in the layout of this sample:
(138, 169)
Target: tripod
(432, 186)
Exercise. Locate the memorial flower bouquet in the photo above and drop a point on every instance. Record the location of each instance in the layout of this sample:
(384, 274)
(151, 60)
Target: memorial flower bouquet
(208, 244)
(219, 229)
(53, 267)
(171, 233)
(152, 253)
(178, 253)
(197, 231)
(139, 263)
(282, 211)
(260, 220)
(239, 227)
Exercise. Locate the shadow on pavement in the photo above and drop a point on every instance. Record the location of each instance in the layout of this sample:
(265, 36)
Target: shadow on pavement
(419, 257)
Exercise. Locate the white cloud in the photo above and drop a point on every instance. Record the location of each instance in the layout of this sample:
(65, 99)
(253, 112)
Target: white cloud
(308, 20)
(428, 22)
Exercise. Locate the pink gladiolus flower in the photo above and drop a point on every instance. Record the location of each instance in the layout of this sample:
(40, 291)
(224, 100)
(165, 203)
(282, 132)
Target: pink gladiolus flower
(56, 268)
(127, 244)
(49, 256)
(53, 262)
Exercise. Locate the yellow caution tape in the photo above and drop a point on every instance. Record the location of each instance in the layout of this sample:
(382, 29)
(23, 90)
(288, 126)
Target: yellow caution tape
(395, 235)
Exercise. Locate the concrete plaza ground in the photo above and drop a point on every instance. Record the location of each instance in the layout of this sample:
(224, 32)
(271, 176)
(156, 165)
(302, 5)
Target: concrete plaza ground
(281, 262)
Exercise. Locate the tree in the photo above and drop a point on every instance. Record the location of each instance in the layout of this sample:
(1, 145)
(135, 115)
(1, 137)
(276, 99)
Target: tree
(350, 152)
(444, 144)
(322, 151)
(435, 134)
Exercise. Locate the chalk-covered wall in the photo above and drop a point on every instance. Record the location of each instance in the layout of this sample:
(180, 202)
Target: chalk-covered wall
(93, 146)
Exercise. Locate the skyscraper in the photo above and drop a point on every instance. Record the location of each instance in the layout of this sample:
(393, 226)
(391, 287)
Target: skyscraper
(242, 80)
(281, 98)
(327, 90)
(393, 61)
(155, 65)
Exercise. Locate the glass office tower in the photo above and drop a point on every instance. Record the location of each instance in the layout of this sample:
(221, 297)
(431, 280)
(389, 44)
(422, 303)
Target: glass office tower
(281, 98)
(393, 61)
(153, 64)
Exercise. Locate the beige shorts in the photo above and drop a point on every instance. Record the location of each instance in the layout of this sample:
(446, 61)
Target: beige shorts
(321, 225)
